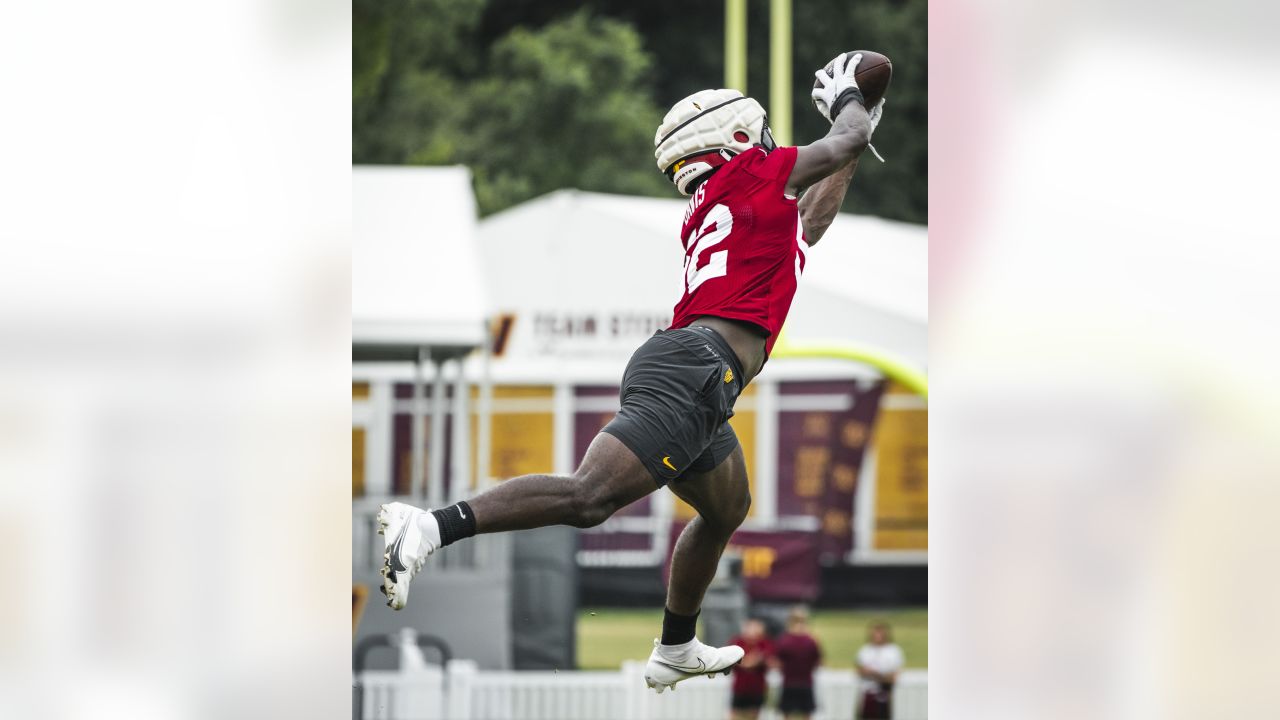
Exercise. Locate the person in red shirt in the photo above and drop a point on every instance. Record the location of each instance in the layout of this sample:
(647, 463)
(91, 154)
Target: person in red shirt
(798, 655)
(744, 240)
(749, 675)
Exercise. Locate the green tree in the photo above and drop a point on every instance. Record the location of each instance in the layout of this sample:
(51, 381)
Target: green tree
(411, 59)
(565, 105)
(536, 96)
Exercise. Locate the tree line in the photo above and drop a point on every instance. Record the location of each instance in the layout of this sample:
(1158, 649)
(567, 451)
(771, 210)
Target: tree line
(538, 96)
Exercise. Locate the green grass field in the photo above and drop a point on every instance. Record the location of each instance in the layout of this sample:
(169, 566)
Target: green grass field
(607, 636)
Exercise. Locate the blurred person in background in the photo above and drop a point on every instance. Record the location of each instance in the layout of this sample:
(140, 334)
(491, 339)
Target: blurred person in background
(749, 675)
(878, 664)
(797, 654)
(745, 236)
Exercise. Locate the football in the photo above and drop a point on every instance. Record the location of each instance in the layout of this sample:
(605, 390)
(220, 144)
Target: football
(874, 72)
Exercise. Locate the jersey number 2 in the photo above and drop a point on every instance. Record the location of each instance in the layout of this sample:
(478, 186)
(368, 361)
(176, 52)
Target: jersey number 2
(715, 227)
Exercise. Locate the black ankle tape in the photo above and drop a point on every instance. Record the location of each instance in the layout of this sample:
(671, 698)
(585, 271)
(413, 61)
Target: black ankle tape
(678, 629)
(456, 522)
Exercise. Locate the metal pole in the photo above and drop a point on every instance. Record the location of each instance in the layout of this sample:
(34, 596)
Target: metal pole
(380, 442)
(461, 470)
(735, 45)
(780, 70)
(435, 454)
(562, 429)
(484, 422)
(417, 470)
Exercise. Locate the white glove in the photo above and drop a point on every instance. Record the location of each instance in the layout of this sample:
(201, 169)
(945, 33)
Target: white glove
(843, 68)
(874, 117)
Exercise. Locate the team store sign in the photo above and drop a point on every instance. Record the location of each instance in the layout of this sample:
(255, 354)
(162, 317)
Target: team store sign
(578, 334)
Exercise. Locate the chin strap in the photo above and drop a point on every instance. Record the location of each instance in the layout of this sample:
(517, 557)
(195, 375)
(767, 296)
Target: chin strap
(875, 152)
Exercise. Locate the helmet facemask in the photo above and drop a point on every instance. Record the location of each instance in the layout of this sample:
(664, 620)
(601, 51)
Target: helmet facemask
(766, 137)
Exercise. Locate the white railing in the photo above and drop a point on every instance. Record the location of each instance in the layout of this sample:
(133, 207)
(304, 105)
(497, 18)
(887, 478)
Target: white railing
(465, 693)
(391, 695)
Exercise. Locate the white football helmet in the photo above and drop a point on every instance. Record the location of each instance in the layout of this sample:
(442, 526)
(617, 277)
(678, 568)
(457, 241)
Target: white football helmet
(706, 130)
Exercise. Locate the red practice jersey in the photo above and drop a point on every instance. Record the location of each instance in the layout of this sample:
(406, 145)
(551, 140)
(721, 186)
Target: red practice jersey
(750, 681)
(799, 654)
(744, 245)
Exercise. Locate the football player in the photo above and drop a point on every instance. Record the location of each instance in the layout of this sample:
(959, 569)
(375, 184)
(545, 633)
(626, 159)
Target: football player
(745, 235)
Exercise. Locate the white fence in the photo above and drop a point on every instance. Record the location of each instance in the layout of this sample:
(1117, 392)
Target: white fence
(466, 693)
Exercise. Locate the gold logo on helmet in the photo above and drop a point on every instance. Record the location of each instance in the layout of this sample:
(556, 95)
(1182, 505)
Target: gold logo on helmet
(728, 376)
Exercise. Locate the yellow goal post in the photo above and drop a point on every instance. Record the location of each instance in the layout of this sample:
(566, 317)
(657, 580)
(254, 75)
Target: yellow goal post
(891, 366)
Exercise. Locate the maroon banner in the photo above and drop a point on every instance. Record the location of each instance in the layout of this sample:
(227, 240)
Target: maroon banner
(780, 566)
(821, 440)
(402, 441)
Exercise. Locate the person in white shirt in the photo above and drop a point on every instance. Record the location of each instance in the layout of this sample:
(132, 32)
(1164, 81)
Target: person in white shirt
(879, 662)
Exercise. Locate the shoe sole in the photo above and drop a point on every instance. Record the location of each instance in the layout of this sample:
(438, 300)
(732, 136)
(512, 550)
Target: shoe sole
(384, 522)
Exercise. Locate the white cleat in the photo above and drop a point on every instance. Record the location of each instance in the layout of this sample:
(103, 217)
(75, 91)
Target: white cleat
(406, 549)
(669, 665)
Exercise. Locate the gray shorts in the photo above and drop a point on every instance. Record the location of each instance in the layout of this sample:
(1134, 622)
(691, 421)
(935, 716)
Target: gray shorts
(677, 397)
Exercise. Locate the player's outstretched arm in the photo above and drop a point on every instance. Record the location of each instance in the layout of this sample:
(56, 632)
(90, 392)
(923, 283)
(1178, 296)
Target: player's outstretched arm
(835, 97)
(849, 136)
(840, 100)
(821, 202)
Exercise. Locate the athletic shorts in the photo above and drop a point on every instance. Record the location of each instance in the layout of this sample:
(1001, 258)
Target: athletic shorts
(747, 702)
(677, 397)
(875, 705)
(796, 700)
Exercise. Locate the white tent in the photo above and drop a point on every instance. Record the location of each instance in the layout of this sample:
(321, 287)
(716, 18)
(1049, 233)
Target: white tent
(586, 277)
(416, 280)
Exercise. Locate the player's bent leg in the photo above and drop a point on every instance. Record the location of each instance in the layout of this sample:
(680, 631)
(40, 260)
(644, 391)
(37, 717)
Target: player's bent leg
(609, 478)
(722, 498)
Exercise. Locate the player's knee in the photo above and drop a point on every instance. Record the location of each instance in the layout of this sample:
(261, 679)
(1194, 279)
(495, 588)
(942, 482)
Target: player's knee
(737, 511)
(730, 515)
(740, 509)
(587, 516)
(592, 504)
